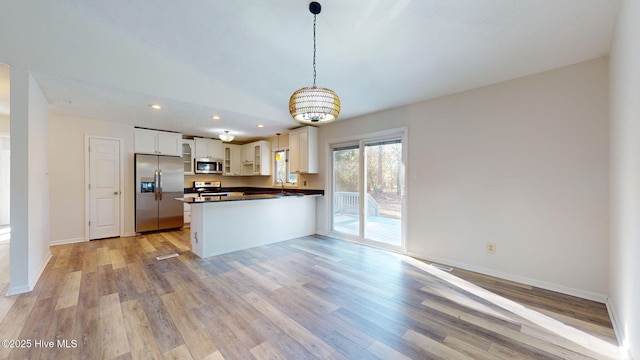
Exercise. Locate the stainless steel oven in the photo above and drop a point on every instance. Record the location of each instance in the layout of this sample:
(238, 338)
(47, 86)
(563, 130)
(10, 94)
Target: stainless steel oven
(212, 188)
(208, 166)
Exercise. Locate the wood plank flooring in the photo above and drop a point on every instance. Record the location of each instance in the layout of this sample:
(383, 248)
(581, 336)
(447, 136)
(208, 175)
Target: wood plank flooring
(313, 297)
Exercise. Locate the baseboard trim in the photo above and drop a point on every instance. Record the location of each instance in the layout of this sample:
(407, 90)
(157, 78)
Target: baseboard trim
(618, 331)
(80, 239)
(66, 241)
(601, 298)
(17, 290)
(32, 282)
(36, 276)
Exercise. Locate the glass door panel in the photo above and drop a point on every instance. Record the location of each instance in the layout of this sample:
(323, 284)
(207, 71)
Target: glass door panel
(346, 187)
(383, 196)
(227, 160)
(187, 156)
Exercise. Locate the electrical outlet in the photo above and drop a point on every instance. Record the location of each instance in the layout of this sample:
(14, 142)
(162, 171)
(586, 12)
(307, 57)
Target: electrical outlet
(491, 248)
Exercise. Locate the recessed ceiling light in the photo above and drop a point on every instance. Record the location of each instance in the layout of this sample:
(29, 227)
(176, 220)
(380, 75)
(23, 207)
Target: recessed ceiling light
(215, 117)
(260, 125)
(155, 106)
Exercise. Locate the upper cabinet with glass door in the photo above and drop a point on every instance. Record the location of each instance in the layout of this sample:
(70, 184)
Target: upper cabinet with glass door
(232, 160)
(188, 156)
(262, 158)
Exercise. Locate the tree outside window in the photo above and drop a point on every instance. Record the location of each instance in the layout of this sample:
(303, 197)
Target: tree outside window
(283, 172)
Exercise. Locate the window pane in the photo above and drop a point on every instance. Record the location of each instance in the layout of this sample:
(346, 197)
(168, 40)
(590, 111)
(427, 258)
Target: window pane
(292, 178)
(346, 170)
(383, 198)
(280, 166)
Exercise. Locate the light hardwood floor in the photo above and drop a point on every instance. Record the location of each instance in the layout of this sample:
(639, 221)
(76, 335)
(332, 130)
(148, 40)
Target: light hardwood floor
(313, 297)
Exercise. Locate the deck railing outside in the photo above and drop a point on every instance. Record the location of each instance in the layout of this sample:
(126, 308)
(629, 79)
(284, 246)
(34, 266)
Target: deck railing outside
(347, 202)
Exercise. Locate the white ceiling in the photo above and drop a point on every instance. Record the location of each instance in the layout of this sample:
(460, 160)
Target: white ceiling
(376, 54)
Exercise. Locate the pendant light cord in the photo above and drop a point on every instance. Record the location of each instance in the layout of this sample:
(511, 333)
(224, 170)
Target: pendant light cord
(314, 50)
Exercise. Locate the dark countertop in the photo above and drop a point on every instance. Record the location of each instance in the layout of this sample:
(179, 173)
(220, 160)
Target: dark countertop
(254, 191)
(206, 199)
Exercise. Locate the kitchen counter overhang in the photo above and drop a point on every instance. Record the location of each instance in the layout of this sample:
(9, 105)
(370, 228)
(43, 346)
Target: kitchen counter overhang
(224, 198)
(248, 190)
(223, 224)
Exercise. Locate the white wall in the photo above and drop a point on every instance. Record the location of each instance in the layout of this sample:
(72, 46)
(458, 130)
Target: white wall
(523, 164)
(625, 177)
(29, 182)
(67, 159)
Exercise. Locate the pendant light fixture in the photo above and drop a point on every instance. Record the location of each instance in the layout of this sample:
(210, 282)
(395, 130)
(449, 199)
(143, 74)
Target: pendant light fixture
(314, 105)
(226, 137)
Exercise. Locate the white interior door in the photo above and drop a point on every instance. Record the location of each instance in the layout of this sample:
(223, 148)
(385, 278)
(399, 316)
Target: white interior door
(104, 188)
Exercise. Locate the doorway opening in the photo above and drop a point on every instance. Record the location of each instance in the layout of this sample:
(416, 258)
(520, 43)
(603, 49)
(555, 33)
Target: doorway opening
(5, 188)
(5, 177)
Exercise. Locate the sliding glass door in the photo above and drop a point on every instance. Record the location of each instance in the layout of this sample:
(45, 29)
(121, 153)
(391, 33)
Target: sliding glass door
(368, 185)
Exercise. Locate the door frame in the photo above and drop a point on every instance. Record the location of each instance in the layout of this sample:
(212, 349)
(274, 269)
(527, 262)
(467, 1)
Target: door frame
(361, 139)
(87, 177)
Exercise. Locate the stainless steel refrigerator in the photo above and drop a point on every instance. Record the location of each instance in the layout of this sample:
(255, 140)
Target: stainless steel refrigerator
(159, 181)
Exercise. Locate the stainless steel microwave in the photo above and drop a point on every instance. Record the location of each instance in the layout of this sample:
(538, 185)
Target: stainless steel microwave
(208, 166)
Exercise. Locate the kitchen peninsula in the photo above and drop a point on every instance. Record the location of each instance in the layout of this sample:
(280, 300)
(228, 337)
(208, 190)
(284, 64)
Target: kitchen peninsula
(223, 224)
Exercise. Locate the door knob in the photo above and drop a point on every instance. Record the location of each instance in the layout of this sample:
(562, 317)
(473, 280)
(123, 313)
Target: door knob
(115, 193)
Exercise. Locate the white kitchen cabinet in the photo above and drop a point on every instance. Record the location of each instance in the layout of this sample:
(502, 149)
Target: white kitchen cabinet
(256, 158)
(188, 155)
(208, 148)
(232, 160)
(247, 153)
(247, 159)
(262, 158)
(169, 143)
(303, 150)
(157, 142)
(146, 141)
(187, 208)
